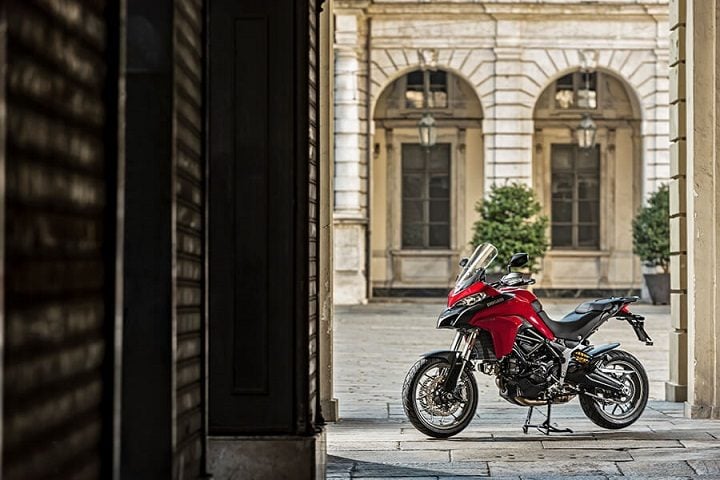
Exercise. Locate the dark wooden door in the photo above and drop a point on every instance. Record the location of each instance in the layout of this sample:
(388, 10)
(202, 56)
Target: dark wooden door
(260, 323)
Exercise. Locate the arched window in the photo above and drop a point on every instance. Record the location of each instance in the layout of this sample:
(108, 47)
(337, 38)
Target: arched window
(422, 199)
(577, 90)
(437, 89)
(589, 195)
(572, 190)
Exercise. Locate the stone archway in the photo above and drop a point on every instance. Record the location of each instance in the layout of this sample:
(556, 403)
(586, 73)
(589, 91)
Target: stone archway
(421, 201)
(590, 196)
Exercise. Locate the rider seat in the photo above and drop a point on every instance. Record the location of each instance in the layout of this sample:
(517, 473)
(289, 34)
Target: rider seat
(586, 318)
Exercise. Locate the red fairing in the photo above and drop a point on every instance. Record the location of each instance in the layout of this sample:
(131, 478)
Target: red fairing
(502, 329)
(522, 305)
(477, 287)
(504, 319)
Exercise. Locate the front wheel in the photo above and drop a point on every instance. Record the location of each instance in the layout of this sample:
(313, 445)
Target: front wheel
(429, 408)
(621, 410)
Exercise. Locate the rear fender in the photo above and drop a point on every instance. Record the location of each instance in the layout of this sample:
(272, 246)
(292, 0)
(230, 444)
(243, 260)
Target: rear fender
(597, 350)
(596, 353)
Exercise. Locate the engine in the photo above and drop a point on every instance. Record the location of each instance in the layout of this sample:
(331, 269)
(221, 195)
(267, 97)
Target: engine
(525, 375)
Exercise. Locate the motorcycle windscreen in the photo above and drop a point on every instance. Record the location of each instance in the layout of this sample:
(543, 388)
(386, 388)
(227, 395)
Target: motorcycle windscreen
(481, 258)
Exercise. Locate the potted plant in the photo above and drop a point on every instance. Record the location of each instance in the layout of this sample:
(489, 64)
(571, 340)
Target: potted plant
(651, 242)
(510, 219)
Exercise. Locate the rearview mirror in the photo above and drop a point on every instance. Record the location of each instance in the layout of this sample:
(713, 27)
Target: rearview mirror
(518, 260)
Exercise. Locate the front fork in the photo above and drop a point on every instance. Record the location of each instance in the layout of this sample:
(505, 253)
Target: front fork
(462, 345)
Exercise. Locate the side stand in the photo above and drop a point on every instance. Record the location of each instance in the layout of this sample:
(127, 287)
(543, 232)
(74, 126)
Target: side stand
(545, 427)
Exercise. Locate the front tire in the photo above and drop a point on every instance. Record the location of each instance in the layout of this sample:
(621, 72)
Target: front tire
(424, 405)
(625, 410)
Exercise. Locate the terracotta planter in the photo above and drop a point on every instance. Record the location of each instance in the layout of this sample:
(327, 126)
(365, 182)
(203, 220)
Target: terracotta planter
(658, 285)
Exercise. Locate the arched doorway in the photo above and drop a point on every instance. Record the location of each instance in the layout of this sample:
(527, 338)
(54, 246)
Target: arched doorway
(422, 199)
(589, 195)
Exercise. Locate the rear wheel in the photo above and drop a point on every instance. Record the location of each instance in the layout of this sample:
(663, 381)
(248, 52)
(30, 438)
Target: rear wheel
(622, 410)
(429, 408)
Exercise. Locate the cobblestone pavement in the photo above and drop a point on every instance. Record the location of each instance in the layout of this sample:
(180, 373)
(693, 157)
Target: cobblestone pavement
(376, 344)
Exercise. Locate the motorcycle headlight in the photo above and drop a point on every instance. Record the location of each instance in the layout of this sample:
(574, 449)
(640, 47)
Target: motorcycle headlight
(471, 300)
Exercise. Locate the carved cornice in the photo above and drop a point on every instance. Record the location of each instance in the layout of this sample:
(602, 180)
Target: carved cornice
(502, 9)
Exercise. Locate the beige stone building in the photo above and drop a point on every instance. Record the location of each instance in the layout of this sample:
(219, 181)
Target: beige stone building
(509, 83)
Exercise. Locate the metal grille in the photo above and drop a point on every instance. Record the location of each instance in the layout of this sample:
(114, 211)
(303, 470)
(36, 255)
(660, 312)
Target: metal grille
(484, 348)
(190, 224)
(56, 269)
(313, 213)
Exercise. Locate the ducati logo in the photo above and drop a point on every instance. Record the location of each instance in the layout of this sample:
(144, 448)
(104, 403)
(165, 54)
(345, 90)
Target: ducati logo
(495, 302)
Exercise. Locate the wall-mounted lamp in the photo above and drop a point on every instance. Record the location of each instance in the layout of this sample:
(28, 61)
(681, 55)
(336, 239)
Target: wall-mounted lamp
(427, 130)
(585, 132)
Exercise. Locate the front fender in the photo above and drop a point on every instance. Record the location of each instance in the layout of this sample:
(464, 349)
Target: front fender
(448, 355)
(454, 360)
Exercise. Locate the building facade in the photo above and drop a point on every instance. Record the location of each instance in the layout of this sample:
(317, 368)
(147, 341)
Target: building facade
(509, 83)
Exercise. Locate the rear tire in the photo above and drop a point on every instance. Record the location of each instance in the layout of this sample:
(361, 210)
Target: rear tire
(627, 409)
(427, 412)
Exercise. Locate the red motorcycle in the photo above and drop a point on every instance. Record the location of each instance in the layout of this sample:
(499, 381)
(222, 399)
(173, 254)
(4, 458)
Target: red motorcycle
(502, 330)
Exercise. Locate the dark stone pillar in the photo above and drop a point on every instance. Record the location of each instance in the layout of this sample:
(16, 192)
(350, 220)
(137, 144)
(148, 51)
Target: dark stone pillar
(147, 373)
(263, 240)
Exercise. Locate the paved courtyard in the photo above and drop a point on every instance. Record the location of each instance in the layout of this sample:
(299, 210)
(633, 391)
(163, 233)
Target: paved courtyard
(376, 344)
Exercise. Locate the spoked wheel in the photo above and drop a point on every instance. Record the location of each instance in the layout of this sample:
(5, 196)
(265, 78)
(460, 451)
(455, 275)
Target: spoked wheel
(623, 410)
(431, 410)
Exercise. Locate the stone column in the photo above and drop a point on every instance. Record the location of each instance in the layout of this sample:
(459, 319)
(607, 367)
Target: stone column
(703, 199)
(676, 387)
(508, 124)
(350, 208)
(660, 155)
(328, 404)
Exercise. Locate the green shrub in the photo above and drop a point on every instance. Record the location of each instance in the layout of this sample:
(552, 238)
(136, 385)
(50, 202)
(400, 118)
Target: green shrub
(510, 220)
(651, 230)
